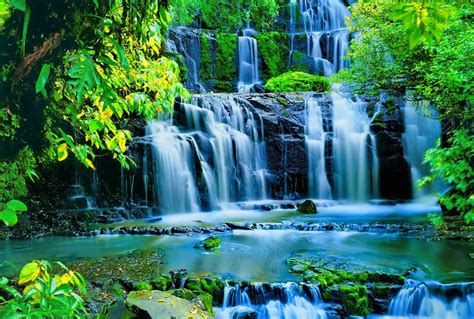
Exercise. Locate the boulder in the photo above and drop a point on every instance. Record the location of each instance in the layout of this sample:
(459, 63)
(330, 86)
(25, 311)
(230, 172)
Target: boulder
(307, 207)
(210, 243)
(158, 304)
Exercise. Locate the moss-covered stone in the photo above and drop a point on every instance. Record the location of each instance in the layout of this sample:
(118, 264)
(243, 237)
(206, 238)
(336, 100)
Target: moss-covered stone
(299, 62)
(225, 56)
(223, 86)
(162, 283)
(143, 285)
(307, 207)
(184, 293)
(298, 82)
(274, 51)
(206, 58)
(210, 243)
(355, 299)
(193, 284)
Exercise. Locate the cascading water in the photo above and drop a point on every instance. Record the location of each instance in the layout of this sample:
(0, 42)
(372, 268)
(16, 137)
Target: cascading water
(356, 171)
(215, 157)
(434, 300)
(275, 301)
(422, 129)
(187, 43)
(315, 139)
(248, 61)
(327, 38)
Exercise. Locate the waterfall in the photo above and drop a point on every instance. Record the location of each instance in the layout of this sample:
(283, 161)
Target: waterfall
(315, 139)
(275, 301)
(214, 155)
(422, 129)
(356, 168)
(327, 37)
(248, 61)
(187, 43)
(434, 300)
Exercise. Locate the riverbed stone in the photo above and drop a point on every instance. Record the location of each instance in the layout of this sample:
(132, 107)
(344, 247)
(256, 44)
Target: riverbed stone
(307, 207)
(159, 305)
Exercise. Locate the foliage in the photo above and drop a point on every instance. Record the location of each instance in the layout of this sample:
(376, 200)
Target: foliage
(274, 51)
(14, 174)
(9, 211)
(45, 295)
(225, 56)
(298, 82)
(225, 15)
(206, 59)
(105, 86)
(454, 164)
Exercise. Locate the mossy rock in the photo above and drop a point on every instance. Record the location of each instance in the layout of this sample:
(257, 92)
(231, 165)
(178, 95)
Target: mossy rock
(226, 56)
(158, 305)
(162, 283)
(210, 243)
(184, 293)
(355, 299)
(274, 51)
(143, 285)
(307, 207)
(298, 82)
(193, 285)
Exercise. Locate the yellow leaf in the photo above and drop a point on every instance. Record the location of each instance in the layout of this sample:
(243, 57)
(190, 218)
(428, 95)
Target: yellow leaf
(90, 164)
(62, 152)
(29, 273)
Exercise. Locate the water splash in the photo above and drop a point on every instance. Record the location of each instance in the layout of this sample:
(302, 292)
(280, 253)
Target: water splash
(275, 301)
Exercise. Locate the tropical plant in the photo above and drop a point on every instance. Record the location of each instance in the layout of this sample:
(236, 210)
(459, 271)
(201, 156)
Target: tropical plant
(44, 295)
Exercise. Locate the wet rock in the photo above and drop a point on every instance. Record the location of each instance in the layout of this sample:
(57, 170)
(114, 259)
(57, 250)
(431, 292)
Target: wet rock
(159, 305)
(209, 243)
(307, 207)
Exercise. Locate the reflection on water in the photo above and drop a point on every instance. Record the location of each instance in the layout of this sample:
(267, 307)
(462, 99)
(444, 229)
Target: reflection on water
(261, 254)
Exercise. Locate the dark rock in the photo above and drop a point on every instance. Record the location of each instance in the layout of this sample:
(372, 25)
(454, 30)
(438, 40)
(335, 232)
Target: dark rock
(307, 207)
(395, 178)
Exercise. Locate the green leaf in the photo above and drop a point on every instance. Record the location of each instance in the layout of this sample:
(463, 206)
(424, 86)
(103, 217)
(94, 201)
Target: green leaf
(26, 22)
(18, 4)
(121, 53)
(16, 205)
(42, 79)
(9, 217)
(29, 272)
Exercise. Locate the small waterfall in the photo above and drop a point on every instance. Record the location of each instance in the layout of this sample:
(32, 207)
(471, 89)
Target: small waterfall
(187, 43)
(315, 139)
(422, 129)
(327, 37)
(248, 61)
(434, 300)
(215, 156)
(275, 301)
(356, 171)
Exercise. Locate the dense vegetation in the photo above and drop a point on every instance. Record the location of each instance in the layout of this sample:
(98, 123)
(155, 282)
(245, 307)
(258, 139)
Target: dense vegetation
(426, 47)
(298, 82)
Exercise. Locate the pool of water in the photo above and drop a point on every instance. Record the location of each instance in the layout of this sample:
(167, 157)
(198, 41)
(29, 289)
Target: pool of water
(261, 254)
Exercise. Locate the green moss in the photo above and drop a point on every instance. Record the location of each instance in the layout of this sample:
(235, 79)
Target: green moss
(184, 293)
(225, 56)
(355, 299)
(212, 242)
(143, 285)
(273, 50)
(162, 283)
(193, 284)
(183, 69)
(298, 82)
(206, 300)
(206, 59)
(223, 86)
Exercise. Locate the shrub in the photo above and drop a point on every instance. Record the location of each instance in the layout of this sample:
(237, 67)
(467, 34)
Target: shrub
(45, 295)
(297, 82)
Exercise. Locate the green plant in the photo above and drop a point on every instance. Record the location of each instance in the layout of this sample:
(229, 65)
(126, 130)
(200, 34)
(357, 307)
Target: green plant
(454, 165)
(298, 82)
(225, 56)
(274, 51)
(10, 210)
(45, 295)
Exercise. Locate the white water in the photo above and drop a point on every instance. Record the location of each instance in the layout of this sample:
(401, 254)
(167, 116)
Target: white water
(422, 129)
(248, 61)
(356, 171)
(434, 300)
(219, 156)
(276, 301)
(327, 38)
(315, 137)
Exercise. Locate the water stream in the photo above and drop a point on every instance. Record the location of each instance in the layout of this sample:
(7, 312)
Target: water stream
(248, 61)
